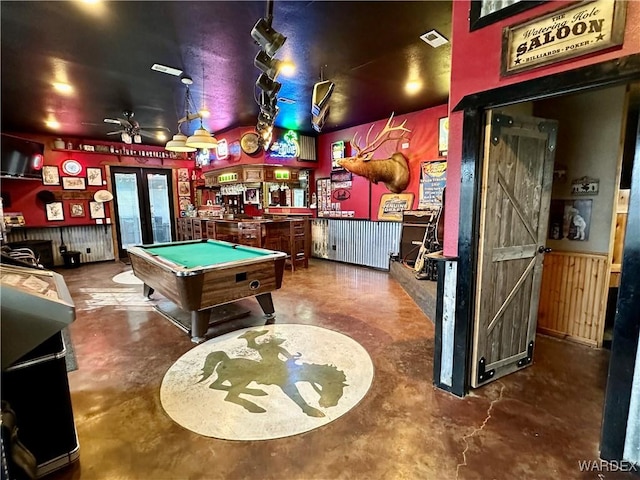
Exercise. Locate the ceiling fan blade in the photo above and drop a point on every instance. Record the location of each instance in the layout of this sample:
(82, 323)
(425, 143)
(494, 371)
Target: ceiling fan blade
(146, 134)
(125, 123)
(155, 129)
(115, 133)
(111, 120)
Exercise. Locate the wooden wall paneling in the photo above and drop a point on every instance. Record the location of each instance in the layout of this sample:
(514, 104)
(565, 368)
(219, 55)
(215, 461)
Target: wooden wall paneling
(573, 299)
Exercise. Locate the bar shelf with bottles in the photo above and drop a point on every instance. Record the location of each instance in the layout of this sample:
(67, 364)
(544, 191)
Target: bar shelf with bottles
(265, 206)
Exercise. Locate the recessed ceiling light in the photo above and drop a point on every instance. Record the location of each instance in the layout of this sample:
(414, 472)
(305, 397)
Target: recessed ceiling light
(413, 86)
(63, 88)
(204, 113)
(53, 124)
(164, 69)
(161, 136)
(433, 38)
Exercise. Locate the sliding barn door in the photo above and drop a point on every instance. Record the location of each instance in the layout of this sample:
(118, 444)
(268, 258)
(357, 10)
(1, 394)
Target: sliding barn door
(516, 192)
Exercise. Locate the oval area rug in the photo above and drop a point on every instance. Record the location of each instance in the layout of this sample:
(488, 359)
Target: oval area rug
(266, 382)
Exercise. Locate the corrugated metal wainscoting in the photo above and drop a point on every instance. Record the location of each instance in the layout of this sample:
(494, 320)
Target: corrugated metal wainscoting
(77, 238)
(360, 242)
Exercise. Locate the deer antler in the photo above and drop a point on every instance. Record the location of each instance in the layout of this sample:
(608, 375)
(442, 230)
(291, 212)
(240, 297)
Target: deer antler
(380, 139)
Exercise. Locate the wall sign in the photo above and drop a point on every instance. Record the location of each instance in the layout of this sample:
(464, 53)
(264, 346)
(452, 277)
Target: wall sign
(432, 182)
(585, 186)
(222, 150)
(282, 174)
(337, 152)
(228, 177)
(393, 204)
(286, 147)
(567, 33)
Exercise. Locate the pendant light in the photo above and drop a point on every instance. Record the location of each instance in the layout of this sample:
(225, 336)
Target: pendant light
(201, 138)
(178, 144)
(179, 140)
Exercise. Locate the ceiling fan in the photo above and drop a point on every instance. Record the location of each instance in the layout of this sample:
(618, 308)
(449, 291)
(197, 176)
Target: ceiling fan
(130, 130)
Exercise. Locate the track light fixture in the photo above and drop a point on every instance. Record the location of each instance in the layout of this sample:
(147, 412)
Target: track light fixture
(268, 86)
(267, 37)
(270, 66)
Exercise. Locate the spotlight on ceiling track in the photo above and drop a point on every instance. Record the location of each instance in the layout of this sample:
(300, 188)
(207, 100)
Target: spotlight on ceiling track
(270, 66)
(267, 37)
(267, 85)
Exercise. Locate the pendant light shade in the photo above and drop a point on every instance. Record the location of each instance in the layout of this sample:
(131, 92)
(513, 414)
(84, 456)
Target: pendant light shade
(201, 139)
(178, 144)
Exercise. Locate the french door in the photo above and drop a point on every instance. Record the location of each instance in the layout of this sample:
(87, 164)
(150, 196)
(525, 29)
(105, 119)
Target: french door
(143, 204)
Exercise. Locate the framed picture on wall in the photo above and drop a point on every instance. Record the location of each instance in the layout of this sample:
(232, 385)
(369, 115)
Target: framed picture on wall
(76, 209)
(94, 176)
(96, 210)
(50, 175)
(486, 12)
(251, 196)
(184, 189)
(55, 212)
(74, 183)
(443, 136)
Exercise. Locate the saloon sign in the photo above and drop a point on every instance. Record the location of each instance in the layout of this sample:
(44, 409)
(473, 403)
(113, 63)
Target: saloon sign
(577, 30)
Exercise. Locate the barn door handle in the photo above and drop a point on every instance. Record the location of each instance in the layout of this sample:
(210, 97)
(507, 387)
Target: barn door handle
(543, 249)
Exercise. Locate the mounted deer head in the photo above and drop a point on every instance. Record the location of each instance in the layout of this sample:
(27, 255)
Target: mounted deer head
(393, 171)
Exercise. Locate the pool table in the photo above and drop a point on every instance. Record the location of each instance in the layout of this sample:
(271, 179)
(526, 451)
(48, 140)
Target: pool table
(200, 274)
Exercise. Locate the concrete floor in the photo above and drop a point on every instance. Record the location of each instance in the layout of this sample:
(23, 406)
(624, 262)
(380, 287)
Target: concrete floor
(536, 424)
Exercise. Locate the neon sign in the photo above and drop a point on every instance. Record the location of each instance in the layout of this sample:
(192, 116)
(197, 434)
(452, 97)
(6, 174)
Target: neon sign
(287, 147)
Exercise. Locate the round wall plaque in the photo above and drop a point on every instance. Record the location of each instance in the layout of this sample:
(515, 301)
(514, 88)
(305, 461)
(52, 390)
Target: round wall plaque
(71, 167)
(249, 142)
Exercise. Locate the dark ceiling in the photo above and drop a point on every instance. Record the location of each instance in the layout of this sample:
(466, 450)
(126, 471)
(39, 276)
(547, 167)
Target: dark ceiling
(106, 50)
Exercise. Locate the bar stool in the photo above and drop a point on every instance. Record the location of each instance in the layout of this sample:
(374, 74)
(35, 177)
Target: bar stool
(294, 245)
(249, 234)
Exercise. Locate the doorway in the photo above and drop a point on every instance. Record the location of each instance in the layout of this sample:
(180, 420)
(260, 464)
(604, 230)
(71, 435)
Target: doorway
(143, 203)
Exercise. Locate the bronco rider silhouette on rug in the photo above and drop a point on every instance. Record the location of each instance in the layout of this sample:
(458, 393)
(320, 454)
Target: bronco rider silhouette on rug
(235, 374)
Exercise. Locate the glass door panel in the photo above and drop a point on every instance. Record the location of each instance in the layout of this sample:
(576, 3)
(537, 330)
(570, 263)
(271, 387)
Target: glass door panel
(143, 206)
(159, 194)
(129, 218)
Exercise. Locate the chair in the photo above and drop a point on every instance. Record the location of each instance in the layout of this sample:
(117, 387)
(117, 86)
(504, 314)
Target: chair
(294, 244)
(249, 234)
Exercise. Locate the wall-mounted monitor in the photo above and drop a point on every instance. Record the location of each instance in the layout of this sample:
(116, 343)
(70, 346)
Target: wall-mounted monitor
(21, 158)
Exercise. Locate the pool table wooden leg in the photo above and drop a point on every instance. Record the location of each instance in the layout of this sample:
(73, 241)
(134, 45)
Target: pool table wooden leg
(199, 325)
(266, 302)
(147, 291)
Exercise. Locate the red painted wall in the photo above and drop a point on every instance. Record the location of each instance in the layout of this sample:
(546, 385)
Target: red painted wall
(23, 193)
(475, 67)
(423, 146)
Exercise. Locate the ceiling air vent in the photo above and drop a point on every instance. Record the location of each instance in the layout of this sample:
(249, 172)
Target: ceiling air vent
(164, 69)
(433, 38)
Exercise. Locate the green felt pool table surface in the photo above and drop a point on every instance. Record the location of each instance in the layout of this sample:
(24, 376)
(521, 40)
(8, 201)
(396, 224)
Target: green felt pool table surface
(202, 254)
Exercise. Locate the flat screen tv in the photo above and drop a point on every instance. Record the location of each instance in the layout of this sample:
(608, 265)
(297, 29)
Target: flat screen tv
(21, 158)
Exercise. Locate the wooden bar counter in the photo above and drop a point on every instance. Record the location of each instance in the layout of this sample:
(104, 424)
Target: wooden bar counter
(291, 235)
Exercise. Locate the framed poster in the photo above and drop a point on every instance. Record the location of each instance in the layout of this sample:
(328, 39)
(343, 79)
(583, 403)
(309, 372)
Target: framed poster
(96, 210)
(570, 219)
(74, 183)
(433, 179)
(184, 189)
(55, 211)
(94, 176)
(251, 196)
(183, 174)
(50, 175)
(486, 12)
(76, 209)
(443, 136)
